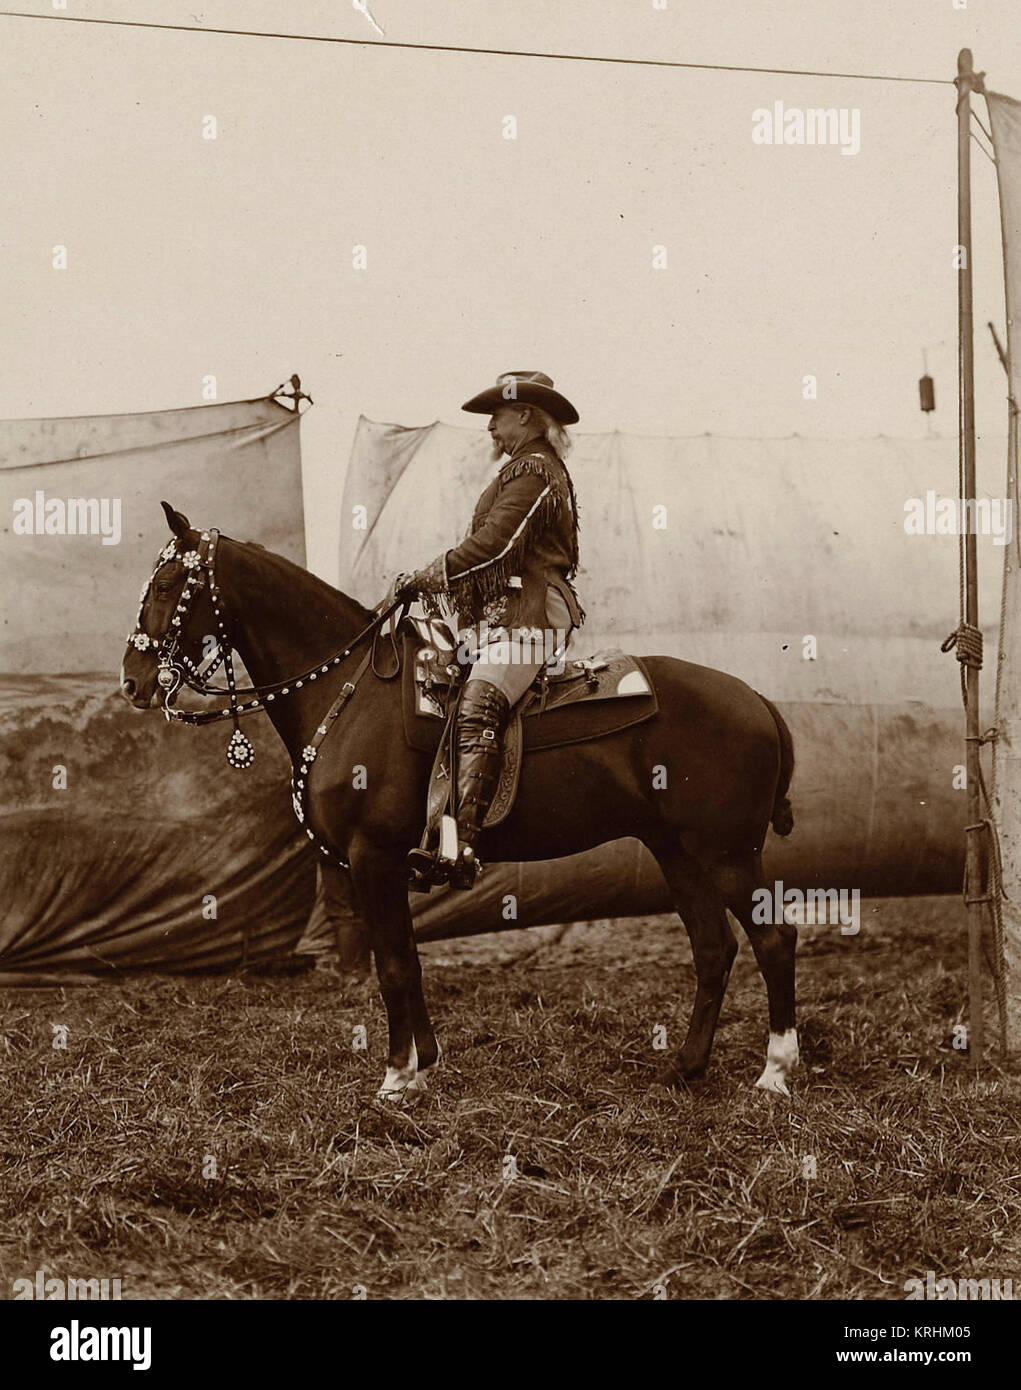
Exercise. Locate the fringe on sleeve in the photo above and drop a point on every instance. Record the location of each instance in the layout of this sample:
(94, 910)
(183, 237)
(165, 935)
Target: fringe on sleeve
(481, 589)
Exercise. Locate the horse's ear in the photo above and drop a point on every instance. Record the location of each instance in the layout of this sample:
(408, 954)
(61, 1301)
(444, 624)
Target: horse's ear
(177, 521)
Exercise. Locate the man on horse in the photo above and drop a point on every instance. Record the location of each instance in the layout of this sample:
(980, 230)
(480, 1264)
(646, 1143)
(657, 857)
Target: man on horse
(510, 581)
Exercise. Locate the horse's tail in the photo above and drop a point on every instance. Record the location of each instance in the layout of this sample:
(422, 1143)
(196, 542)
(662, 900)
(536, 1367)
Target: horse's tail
(782, 819)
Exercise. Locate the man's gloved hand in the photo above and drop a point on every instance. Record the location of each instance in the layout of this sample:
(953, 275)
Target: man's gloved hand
(402, 590)
(428, 581)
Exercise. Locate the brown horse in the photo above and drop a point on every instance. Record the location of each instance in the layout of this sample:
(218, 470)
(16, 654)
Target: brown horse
(699, 784)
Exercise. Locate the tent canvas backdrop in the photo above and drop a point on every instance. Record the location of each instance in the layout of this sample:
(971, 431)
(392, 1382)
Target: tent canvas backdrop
(1005, 118)
(156, 854)
(236, 466)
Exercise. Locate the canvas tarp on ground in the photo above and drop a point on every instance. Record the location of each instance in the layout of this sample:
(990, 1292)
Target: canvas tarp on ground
(155, 853)
(784, 561)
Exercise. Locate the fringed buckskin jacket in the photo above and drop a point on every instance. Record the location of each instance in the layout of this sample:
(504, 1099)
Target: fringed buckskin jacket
(523, 538)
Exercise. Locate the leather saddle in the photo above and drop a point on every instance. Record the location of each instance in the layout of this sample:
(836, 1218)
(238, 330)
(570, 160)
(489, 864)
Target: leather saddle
(589, 699)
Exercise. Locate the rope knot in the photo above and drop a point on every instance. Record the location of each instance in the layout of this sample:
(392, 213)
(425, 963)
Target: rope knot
(968, 642)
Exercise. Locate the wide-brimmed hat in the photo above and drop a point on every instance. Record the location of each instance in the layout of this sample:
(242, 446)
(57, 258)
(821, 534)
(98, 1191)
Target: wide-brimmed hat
(529, 388)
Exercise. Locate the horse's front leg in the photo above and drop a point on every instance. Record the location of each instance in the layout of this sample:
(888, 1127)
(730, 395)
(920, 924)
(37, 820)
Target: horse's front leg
(379, 878)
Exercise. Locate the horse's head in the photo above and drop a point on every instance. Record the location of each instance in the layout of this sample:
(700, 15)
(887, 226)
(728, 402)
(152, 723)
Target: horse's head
(175, 626)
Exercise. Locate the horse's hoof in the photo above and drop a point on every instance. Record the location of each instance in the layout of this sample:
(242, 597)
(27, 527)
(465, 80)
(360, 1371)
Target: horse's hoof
(772, 1080)
(405, 1096)
(352, 979)
(385, 1097)
(398, 1100)
(676, 1080)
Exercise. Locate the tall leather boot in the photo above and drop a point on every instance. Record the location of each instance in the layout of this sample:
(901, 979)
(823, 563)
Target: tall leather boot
(481, 718)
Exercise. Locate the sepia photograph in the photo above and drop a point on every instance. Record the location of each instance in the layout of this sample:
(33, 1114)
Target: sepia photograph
(510, 671)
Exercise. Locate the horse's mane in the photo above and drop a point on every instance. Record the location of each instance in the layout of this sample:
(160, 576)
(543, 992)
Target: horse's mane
(302, 581)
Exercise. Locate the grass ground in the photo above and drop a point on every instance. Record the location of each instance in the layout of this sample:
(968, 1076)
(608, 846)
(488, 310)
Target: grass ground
(542, 1165)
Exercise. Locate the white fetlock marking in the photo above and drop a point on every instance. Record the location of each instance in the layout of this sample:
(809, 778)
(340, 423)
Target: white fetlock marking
(401, 1081)
(781, 1059)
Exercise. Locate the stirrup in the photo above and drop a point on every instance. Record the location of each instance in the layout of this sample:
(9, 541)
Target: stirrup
(431, 868)
(425, 871)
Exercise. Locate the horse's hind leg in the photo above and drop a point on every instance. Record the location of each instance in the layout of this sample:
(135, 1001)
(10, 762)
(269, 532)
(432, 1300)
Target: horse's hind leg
(380, 883)
(774, 944)
(713, 948)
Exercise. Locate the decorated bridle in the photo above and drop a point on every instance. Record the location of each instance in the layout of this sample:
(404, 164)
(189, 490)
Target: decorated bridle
(176, 669)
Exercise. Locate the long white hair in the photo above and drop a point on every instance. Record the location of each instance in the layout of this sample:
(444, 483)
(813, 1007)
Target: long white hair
(555, 434)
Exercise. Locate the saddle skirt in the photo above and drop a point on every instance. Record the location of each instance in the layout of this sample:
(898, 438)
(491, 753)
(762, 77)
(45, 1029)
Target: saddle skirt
(592, 697)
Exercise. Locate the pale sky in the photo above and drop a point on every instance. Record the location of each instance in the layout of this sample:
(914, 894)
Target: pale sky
(233, 257)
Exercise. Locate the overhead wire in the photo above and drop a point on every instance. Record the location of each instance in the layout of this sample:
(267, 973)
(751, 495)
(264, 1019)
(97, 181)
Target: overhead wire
(465, 48)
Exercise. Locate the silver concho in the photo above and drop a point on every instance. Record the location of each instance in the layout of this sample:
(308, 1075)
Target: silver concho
(240, 752)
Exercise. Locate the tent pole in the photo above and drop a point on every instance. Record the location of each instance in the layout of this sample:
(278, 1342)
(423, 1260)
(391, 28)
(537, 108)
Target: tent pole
(965, 82)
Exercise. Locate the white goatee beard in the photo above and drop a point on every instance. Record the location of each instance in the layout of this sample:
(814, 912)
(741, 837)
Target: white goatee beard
(495, 452)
